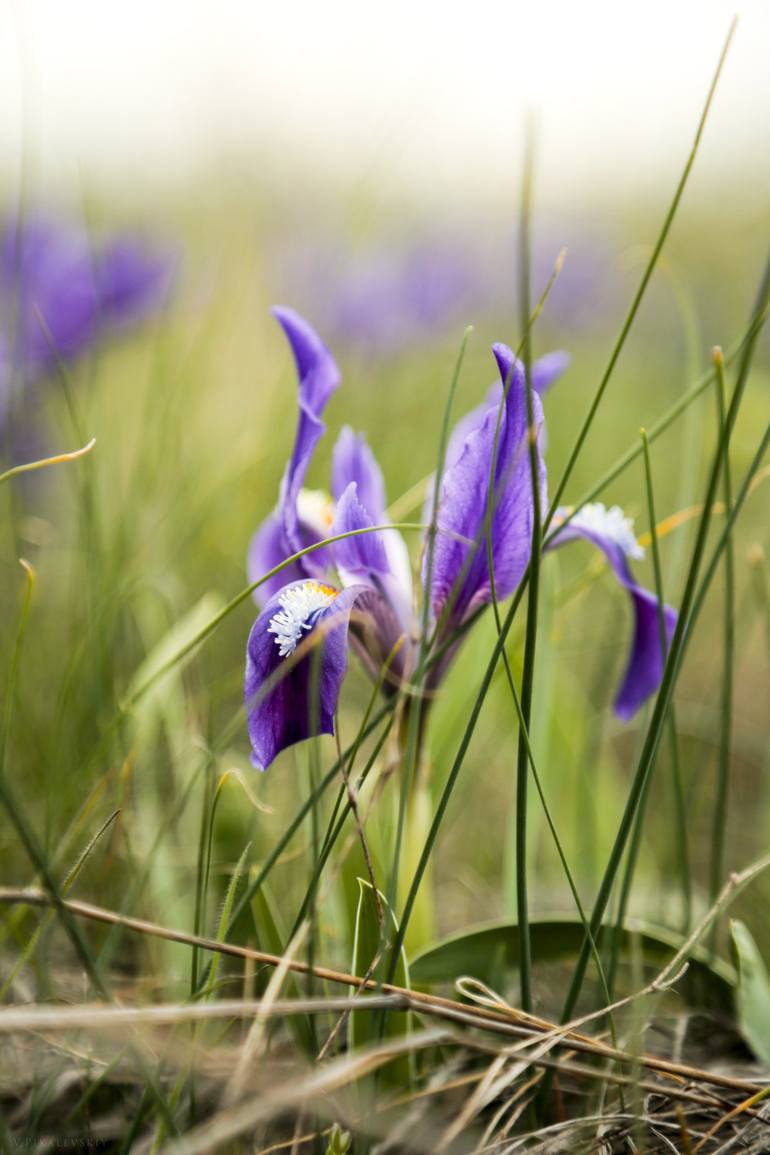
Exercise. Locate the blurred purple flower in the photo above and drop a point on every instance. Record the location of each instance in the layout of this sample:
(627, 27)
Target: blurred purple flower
(297, 649)
(388, 300)
(381, 299)
(60, 294)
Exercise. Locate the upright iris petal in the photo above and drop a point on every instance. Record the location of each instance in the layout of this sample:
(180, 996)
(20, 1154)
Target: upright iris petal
(386, 620)
(296, 659)
(284, 532)
(363, 554)
(613, 534)
(545, 371)
(318, 378)
(460, 570)
(353, 461)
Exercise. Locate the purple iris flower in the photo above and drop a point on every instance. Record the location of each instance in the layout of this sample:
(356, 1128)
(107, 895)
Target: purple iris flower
(59, 294)
(297, 649)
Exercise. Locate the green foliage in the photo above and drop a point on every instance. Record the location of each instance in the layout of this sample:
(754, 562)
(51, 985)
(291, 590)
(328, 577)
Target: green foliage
(489, 952)
(271, 937)
(339, 1141)
(372, 942)
(753, 994)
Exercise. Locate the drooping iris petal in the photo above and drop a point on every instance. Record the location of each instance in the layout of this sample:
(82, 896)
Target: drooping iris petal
(613, 534)
(460, 570)
(296, 659)
(284, 533)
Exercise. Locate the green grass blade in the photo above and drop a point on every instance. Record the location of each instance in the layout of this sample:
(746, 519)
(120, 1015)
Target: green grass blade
(414, 724)
(533, 592)
(691, 600)
(637, 300)
(719, 823)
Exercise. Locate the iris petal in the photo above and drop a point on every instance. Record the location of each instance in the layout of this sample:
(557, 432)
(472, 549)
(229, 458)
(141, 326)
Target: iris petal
(353, 460)
(267, 550)
(289, 699)
(545, 371)
(644, 668)
(363, 554)
(131, 282)
(460, 569)
(282, 534)
(318, 378)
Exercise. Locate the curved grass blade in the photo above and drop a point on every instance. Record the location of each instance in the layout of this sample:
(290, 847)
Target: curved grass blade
(414, 728)
(659, 427)
(45, 462)
(49, 915)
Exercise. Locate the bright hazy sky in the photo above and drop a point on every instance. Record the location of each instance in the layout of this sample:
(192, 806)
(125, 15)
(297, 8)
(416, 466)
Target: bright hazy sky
(423, 92)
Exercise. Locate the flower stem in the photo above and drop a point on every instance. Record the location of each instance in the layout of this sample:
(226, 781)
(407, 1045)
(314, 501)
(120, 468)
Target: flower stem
(528, 672)
(725, 736)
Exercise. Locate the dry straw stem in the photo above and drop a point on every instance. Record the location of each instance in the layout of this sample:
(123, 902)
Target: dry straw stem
(312, 1086)
(741, 1109)
(507, 1022)
(45, 462)
(113, 1020)
(253, 1044)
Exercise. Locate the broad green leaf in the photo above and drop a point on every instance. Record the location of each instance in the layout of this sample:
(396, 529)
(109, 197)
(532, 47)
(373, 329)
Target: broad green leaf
(369, 947)
(753, 995)
(419, 816)
(557, 938)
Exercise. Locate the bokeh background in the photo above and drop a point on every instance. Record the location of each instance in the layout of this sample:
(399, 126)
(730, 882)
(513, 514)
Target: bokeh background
(364, 166)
